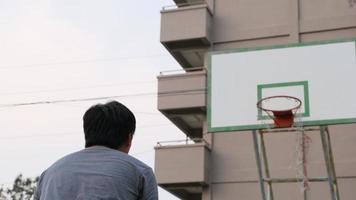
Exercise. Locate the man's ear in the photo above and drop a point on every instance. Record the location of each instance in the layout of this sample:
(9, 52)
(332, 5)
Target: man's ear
(127, 145)
(129, 141)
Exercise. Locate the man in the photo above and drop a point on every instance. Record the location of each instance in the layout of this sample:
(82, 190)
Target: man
(103, 170)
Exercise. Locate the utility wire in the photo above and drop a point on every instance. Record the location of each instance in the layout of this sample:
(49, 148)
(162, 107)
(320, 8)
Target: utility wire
(78, 62)
(177, 92)
(82, 107)
(67, 133)
(78, 88)
(74, 100)
(133, 154)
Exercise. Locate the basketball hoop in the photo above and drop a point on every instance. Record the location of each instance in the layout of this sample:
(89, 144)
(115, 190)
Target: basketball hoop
(281, 109)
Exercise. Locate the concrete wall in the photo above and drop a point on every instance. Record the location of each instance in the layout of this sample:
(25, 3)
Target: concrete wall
(252, 23)
(255, 23)
(234, 172)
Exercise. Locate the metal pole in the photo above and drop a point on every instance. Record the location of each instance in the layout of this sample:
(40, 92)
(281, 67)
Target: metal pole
(265, 164)
(259, 166)
(332, 165)
(325, 139)
(305, 192)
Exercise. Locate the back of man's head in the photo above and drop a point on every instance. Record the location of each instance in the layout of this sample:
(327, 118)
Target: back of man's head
(109, 125)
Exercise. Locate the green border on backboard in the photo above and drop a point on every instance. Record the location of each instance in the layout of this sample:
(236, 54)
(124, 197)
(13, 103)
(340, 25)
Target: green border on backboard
(304, 84)
(263, 126)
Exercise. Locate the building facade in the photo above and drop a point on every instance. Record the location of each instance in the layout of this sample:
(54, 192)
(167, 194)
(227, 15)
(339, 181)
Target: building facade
(223, 166)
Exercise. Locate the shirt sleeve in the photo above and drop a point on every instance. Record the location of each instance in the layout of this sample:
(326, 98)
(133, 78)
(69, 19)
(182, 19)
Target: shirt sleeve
(149, 190)
(37, 195)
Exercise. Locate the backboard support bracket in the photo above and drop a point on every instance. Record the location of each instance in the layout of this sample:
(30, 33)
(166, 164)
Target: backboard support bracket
(263, 169)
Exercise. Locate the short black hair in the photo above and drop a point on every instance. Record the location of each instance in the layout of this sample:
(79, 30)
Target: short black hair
(108, 125)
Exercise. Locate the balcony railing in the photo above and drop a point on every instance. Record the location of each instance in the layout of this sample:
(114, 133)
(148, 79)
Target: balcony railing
(186, 32)
(179, 5)
(182, 167)
(187, 141)
(182, 99)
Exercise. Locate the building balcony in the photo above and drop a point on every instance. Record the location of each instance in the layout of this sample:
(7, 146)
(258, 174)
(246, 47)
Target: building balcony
(182, 99)
(181, 3)
(185, 31)
(183, 170)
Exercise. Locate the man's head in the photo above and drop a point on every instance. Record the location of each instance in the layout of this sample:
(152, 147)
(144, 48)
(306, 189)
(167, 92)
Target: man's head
(111, 125)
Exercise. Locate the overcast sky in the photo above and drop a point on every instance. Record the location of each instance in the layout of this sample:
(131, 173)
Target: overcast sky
(72, 49)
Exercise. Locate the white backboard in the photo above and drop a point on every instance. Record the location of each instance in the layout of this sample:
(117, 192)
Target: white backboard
(322, 76)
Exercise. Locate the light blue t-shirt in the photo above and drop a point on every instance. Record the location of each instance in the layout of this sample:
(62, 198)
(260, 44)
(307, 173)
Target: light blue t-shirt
(97, 173)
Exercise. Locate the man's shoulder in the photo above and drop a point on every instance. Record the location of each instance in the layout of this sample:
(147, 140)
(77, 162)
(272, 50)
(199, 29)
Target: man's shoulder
(101, 153)
(96, 165)
(134, 161)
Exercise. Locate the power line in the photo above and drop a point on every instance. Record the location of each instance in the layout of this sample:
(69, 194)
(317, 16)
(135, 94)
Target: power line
(79, 61)
(78, 88)
(133, 154)
(177, 92)
(74, 100)
(85, 107)
(67, 133)
(39, 135)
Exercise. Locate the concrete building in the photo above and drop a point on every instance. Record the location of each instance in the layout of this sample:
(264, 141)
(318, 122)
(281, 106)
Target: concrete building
(222, 166)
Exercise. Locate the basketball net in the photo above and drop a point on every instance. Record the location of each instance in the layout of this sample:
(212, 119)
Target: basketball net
(302, 144)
